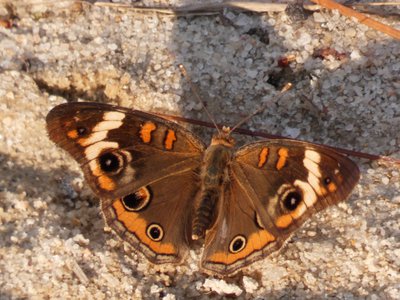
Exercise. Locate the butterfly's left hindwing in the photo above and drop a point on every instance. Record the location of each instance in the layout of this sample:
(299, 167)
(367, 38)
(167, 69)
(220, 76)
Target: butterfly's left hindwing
(156, 218)
(144, 169)
(237, 237)
(274, 188)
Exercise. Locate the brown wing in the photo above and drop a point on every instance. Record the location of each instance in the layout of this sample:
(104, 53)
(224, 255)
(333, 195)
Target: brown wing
(144, 168)
(156, 218)
(121, 150)
(275, 187)
(236, 238)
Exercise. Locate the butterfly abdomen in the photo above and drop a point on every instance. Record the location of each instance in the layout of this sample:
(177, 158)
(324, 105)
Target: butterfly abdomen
(214, 175)
(204, 214)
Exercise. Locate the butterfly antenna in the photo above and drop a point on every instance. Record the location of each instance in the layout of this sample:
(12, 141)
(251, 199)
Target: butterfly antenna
(194, 91)
(285, 89)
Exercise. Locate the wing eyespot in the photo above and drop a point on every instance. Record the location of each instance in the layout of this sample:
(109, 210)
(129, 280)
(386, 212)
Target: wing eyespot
(113, 162)
(110, 162)
(81, 130)
(289, 198)
(237, 244)
(155, 232)
(292, 200)
(138, 200)
(327, 180)
(330, 184)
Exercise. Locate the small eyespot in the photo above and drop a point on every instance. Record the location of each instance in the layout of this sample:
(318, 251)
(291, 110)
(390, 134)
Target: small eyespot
(292, 200)
(138, 200)
(155, 232)
(327, 180)
(110, 162)
(81, 130)
(237, 244)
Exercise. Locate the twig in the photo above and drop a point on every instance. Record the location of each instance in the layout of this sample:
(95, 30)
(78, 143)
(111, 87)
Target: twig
(346, 11)
(375, 4)
(204, 8)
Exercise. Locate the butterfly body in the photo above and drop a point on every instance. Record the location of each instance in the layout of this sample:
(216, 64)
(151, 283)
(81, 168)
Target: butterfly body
(214, 177)
(161, 188)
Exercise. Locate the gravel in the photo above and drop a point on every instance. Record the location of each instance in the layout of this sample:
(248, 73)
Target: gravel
(53, 243)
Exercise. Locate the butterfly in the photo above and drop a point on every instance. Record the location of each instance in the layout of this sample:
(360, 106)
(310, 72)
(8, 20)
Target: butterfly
(162, 188)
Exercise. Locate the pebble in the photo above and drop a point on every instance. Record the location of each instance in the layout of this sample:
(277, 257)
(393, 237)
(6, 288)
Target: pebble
(221, 287)
(319, 18)
(350, 32)
(112, 47)
(303, 39)
(292, 132)
(250, 285)
(349, 127)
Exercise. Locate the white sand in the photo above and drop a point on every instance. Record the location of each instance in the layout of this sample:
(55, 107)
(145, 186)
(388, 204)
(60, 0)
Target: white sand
(52, 242)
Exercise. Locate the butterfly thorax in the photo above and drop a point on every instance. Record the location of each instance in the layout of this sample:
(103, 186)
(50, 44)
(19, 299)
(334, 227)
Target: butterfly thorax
(214, 173)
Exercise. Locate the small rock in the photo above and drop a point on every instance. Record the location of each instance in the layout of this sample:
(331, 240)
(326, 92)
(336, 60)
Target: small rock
(304, 39)
(221, 287)
(318, 18)
(354, 78)
(112, 47)
(355, 55)
(154, 289)
(169, 297)
(309, 278)
(80, 240)
(250, 284)
(293, 132)
(349, 127)
(350, 32)
(252, 73)
(98, 40)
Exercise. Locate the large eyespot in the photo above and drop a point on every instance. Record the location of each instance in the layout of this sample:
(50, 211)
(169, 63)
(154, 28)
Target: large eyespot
(155, 232)
(138, 200)
(237, 244)
(291, 200)
(110, 162)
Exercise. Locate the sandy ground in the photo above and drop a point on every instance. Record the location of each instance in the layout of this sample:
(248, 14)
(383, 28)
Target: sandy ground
(53, 243)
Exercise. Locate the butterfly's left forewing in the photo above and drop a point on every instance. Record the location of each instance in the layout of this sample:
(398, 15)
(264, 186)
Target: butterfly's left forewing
(144, 169)
(120, 149)
(274, 188)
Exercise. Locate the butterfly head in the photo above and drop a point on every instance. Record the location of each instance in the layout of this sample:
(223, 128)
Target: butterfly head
(223, 137)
